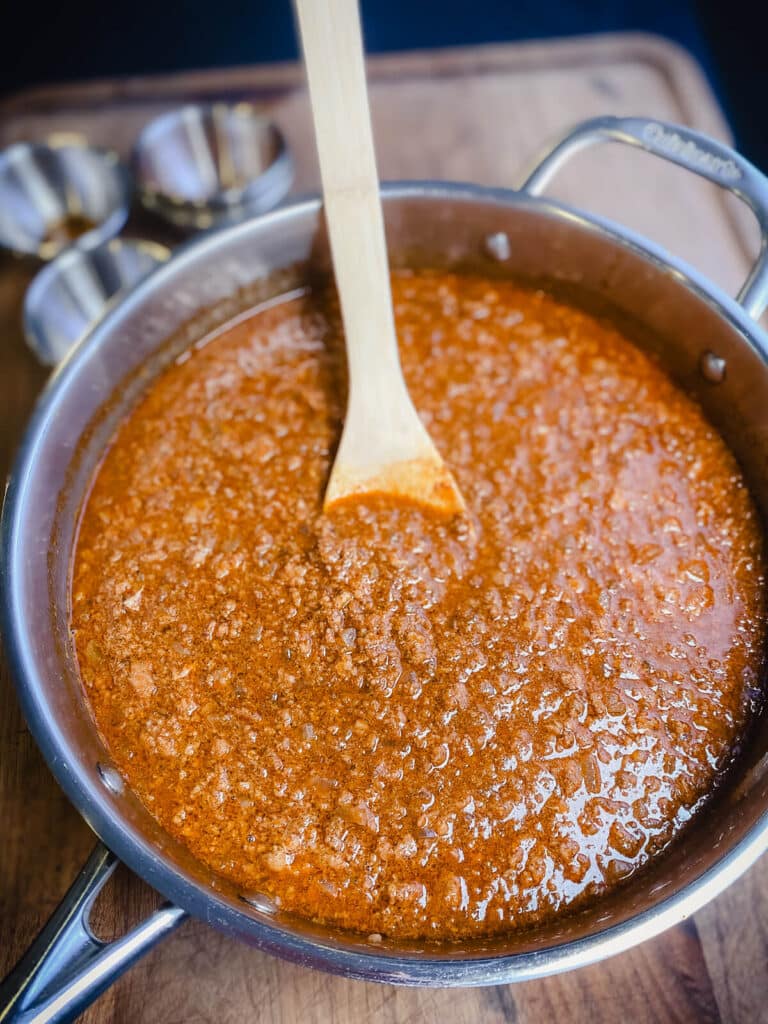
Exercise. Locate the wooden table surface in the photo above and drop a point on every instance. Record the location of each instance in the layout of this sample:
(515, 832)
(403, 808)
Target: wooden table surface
(478, 114)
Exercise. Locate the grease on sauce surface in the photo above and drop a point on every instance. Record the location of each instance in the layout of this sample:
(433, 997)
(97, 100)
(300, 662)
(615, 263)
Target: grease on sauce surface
(404, 726)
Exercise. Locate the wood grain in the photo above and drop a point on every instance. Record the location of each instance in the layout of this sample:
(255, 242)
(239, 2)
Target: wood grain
(478, 114)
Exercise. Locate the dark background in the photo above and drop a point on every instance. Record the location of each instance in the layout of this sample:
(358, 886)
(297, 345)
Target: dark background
(78, 39)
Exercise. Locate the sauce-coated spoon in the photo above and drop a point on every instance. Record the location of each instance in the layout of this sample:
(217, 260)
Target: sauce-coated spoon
(384, 447)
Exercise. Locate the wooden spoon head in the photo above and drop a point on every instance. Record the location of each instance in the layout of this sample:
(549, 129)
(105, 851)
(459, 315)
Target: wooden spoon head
(424, 481)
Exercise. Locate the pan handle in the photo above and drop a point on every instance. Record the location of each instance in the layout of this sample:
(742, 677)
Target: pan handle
(696, 152)
(66, 968)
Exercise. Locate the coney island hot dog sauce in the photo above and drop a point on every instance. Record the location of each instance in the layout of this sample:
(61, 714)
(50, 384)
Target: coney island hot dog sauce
(400, 725)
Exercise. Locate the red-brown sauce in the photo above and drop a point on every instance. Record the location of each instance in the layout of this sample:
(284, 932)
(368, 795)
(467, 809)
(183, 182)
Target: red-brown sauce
(404, 726)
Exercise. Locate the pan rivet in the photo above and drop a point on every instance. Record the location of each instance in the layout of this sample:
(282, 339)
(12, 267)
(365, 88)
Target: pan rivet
(111, 778)
(259, 901)
(712, 367)
(498, 246)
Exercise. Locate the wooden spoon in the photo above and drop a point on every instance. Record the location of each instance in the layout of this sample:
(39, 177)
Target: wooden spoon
(384, 449)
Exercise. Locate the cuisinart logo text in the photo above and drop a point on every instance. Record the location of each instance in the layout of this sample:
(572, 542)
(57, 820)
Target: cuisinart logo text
(687, 150)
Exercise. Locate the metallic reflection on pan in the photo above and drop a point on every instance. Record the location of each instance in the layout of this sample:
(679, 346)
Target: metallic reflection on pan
(71, 294)
(204, 166)
(677, 314)
(54, 195)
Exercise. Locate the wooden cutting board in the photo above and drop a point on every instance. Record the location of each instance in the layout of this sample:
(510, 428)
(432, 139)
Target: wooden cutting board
(479, 114)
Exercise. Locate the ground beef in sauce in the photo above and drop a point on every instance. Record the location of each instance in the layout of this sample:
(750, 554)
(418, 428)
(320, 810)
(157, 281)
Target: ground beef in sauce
(400, 725)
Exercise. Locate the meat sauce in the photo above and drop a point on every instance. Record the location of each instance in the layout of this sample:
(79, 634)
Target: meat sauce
(396, 724)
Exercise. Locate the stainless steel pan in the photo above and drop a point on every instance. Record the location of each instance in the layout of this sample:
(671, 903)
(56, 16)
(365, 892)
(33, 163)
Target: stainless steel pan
(709, 342)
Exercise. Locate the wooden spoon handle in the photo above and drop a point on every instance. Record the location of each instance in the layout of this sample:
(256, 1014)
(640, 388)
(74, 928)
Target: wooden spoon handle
(337, 87)
(384, 447)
